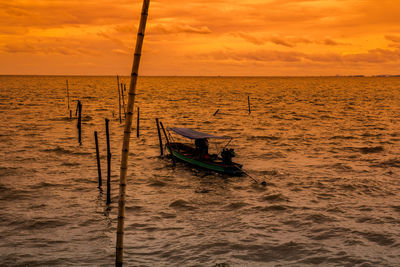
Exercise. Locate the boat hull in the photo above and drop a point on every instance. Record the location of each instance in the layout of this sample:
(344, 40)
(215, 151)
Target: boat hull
(233, 169)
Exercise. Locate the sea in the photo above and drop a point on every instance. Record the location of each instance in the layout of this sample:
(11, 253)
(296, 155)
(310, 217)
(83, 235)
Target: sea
(328, 149)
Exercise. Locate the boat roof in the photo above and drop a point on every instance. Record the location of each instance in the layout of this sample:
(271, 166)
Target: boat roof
(192, 134)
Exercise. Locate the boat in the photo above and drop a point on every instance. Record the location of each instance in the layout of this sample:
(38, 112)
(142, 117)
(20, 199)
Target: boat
(197, 154)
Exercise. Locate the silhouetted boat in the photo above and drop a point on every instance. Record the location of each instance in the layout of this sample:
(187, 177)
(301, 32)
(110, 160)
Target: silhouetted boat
(197, 155)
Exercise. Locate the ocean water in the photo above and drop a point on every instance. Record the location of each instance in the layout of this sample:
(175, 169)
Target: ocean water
(328, 148)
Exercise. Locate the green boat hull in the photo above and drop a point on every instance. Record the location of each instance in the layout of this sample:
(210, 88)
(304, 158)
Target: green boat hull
(234, 169)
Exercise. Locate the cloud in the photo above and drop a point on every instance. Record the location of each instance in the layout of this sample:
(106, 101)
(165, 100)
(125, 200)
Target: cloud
(251, 38)
(163, 28)
(309, 32)
(284, 41)
(328, 41)
(280, 41)
(372, 56)
(53, 46)
(393, 38)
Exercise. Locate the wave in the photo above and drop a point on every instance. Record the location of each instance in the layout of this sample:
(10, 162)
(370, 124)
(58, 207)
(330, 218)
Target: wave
(181, 205)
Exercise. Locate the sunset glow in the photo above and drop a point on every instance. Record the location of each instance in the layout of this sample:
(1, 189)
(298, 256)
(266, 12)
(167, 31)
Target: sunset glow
(201, 37)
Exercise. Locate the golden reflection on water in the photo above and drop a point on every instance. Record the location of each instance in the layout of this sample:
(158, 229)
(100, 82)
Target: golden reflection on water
(327, 148)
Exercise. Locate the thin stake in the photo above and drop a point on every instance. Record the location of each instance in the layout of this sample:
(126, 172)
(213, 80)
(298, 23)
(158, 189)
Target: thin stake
(108, 164)
(127, 135)
(77, 108)
(168, 144)
(68, 95)
(119, 101)
(123, 101)
(79, 124)
(248, 101)
(263, 183)
(98, 158)
(159, 138)
(216, 112)
(137, 123)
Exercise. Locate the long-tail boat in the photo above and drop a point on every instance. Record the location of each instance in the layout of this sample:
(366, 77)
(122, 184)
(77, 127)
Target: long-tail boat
(197, 154)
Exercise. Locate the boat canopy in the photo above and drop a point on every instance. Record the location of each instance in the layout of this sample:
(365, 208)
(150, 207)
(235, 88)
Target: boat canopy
(192, 134)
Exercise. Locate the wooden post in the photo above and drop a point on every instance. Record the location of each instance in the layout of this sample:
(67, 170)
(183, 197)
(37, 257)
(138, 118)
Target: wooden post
(119, 100)
(98, 158)
(108, 164)
(216, 112)
(123, 101)
(248, 103)
(168, 144)
(70, 114)
(137, 123)
(79, 124)
(77, 108)
(68, 95)
(159, 137)
(127, 134)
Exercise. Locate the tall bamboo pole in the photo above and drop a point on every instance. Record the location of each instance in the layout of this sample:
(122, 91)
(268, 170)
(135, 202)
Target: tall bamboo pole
(119, 100)
(127, 134)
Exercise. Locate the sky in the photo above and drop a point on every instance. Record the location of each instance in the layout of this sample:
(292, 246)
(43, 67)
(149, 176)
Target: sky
(201, 37)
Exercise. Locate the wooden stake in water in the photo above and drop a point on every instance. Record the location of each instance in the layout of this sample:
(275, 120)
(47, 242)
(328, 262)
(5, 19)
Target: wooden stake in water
(168, 144)
(79, 124)
(119, 100)
(123, 101)
(68, 95)
(159, 137)
(216, 112)
(248, 102)
(108, 163)
(98, 158)
(127, 134)
(137, 123)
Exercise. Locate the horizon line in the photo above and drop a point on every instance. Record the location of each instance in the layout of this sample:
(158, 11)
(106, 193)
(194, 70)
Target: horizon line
(200, 76)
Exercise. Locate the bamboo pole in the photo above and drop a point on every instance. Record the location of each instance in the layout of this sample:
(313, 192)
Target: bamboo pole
(119, 100)
(168, 144)
(68, 95)
(248, 103)
(127, 134)
(98, 158)
(77, 107)
(108, 163)
(137, 122)
(123, 101)
(159, 137)
(79, 124)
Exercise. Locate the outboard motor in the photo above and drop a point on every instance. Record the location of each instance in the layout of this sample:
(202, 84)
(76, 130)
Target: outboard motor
(227, 155)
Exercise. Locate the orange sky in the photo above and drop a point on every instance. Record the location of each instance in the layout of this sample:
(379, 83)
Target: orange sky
(201, 37)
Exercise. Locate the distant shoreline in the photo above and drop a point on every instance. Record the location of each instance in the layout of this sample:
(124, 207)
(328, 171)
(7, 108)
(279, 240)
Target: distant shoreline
(210, 76)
